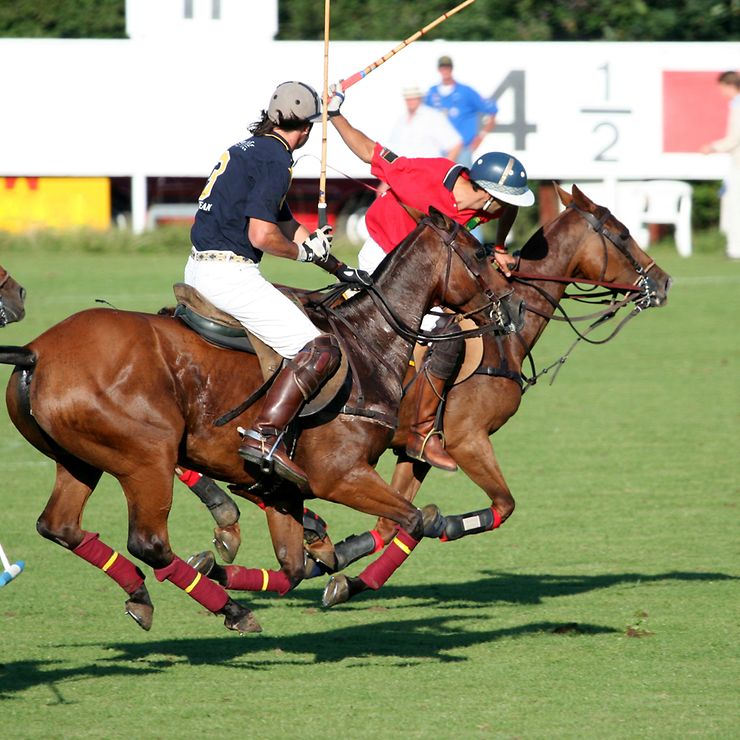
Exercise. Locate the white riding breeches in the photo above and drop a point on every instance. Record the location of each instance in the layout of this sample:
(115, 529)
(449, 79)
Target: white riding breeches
(239, 289)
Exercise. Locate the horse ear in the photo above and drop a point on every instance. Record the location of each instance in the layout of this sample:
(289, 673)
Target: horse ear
(415, 213)
(580, 197)
(439, 219)
(564, 195)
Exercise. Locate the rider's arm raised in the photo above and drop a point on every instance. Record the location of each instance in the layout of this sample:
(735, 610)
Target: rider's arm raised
(358, 143)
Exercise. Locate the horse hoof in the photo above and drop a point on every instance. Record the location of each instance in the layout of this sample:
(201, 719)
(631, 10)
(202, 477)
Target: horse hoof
(142, 614)
(203, 562)
(336, 591)
(247, 623)
(226, 541)
(434, 522)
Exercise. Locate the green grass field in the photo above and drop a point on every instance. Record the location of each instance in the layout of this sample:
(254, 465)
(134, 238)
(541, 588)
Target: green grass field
(606, 607)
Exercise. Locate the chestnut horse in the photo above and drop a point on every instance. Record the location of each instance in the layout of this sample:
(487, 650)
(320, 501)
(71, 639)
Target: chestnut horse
(134, 395)
(585, 242)
(12, 299)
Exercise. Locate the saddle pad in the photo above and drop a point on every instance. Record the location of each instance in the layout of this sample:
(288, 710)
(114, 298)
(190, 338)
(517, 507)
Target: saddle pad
(473, 353)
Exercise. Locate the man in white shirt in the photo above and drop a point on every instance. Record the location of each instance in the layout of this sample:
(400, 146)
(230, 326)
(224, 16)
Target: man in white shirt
(423, 131)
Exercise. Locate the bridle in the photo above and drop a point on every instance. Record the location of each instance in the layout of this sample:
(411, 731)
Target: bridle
(496, 313)
(3, 313)
(641, 292)
(646, 287)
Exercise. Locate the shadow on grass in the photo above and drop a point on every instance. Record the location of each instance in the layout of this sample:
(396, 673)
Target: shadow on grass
(435, 638)
(516, 588)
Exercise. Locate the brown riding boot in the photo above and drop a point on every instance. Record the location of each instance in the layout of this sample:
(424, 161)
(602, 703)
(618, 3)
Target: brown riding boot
(424, 443)
(298, 381)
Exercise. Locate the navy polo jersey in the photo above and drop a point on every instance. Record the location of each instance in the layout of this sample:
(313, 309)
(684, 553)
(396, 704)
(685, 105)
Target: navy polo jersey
(250, 180)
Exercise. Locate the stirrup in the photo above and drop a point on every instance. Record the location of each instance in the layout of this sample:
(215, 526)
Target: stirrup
(266, 461)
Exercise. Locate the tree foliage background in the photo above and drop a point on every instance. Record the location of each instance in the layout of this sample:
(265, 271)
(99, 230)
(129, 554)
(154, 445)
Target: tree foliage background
(485, 20)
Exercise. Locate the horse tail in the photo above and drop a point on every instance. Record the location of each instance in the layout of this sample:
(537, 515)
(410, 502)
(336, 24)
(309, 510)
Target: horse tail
(18, 356)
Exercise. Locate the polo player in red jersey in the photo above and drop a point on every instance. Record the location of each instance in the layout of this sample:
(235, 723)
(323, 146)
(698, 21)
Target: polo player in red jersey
(492, 189)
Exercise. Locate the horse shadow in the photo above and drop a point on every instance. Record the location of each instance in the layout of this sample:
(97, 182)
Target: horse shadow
(454, 626)
(514, 588)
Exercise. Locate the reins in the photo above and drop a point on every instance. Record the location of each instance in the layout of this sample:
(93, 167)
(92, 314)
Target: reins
(637, 293)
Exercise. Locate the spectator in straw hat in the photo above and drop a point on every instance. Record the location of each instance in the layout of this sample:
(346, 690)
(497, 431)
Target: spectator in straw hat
(422, 131)
(464, 108)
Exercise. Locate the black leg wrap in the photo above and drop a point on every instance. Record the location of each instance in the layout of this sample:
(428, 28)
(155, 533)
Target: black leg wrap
(353, 548)
(314, 527)
(461, 525)
(219, 503)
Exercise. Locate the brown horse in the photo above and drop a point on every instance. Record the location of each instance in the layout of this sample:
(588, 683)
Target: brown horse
(12, 299)
(134, 394)
(585, 242)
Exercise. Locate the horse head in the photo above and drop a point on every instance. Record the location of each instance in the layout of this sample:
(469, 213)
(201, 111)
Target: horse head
(470, 284)
(607, 253)
(12, 298)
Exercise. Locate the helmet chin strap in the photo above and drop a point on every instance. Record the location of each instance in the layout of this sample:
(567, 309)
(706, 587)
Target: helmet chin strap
(488, 203)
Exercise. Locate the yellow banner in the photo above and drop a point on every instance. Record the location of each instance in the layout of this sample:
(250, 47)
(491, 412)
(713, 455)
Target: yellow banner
(28, 203)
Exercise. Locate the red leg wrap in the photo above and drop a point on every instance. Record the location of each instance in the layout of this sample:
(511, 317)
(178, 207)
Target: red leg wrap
(379, 544)
(379, 571)
(189, 477)
(256, 579)
(205, 591)
(496, 519)
(112, 563)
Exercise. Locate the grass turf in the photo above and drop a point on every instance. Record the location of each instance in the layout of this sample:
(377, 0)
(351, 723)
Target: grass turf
(606, 607)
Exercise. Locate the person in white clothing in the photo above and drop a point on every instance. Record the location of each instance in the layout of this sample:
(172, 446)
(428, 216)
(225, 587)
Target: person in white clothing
(729, 83)
(423, 131)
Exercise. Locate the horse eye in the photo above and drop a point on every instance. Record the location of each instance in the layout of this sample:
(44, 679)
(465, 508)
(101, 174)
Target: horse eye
(480, 253)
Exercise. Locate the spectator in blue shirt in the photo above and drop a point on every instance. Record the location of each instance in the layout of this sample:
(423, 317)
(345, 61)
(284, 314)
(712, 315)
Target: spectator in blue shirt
(464, 107)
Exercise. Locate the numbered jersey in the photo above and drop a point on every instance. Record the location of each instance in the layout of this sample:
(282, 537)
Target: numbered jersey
(250, 180)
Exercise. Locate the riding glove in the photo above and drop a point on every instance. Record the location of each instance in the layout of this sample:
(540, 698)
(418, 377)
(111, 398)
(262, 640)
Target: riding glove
(316, 247)
(352, 275)
(335, 100)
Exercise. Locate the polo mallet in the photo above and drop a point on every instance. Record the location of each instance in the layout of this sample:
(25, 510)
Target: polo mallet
(323, 219)
(357, 76)
(9, 571)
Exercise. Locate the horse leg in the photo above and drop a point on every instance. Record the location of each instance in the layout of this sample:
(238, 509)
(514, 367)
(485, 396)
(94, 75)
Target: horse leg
(408, 476)
(368, 492)
(60, 522)
(225, 512)
(285, 522)
(477, 459)
(149, 496)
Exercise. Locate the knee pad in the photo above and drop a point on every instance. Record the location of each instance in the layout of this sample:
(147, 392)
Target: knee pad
(445, 358)
(316, 363)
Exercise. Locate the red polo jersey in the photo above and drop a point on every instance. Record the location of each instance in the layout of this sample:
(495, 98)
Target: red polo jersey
(419, 183)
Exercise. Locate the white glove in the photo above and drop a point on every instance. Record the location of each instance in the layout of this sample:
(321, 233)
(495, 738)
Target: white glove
(316, 246)
(336, 98)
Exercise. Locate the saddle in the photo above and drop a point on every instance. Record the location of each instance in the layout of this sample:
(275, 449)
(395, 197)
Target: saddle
(223, 330)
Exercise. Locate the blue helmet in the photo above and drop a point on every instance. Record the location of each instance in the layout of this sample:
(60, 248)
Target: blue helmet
(503, 177)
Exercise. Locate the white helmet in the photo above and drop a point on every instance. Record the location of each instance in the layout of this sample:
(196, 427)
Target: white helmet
(296, 101)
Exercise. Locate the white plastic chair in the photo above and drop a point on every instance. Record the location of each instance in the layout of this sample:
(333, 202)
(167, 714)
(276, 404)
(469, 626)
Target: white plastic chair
(669, 202)
(641, 202)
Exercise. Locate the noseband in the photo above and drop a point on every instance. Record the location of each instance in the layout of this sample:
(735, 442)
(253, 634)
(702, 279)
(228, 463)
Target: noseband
(597, 221)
